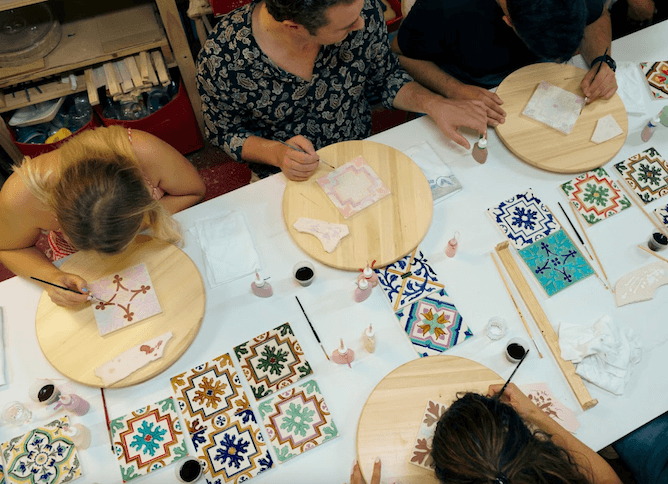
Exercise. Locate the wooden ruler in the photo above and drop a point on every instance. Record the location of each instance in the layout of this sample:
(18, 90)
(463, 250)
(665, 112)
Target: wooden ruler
(540, 318)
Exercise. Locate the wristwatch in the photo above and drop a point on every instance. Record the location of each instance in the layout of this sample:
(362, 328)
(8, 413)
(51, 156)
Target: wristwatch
(607, 59)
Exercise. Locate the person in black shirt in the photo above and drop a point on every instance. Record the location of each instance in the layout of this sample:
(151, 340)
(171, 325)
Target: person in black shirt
(460, 48)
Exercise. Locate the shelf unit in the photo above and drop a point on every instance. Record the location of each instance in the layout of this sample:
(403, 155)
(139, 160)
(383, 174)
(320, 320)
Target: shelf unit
(94, 33)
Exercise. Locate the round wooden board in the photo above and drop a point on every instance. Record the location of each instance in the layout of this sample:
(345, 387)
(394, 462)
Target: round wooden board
(545, 147)
(391, 416)
(385, 231)
(71, 341)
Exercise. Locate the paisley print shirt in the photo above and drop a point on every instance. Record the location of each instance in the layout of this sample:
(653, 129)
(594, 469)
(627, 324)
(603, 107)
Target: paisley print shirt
(244, 93)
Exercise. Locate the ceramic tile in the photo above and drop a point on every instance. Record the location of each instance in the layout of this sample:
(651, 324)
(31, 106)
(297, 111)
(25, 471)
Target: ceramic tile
(554, 107)
(542, 396)
(272, 361)
(297, 420)
(433, 324)
(148, 439)
(353, 187)
(129, 297)
(524, 219)
(234, 450)
(595, 195)
(656, 74)
(42, 456)
(421, 452)
(408, 280)
(662, 214)
(209, 389)
(556, 262)
(606, 129)
(328, 234)
(646, 173)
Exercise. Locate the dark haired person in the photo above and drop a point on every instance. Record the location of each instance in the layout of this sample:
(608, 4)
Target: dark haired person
(482, 439)
(302, 72)
(460, 48)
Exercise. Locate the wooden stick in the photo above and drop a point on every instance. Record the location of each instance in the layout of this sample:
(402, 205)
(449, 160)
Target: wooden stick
(543, 323)
(584, 232)
(652, 252)
(640, 204)
(93, 98)
(517, 308)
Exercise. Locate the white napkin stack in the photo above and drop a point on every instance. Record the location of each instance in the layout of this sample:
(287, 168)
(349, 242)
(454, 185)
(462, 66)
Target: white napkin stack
(632, 87)
(604, 353)
(442, 181)
(228, 248)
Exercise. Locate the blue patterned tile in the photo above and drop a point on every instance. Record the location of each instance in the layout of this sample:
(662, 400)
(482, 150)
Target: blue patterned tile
(408, 280)
(662, 215)
(524, 219)
(433, 324)
(556, 262)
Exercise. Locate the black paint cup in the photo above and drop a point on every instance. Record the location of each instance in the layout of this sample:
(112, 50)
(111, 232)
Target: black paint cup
(190, 470)
(304, 273)
(657, 241)
(515, 350)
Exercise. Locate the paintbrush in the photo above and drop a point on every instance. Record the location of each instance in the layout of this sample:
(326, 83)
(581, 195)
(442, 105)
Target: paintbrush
(511, 375)
(90, 296)
(597, 70)
(576, 231)
(312, 328)
(296, 148)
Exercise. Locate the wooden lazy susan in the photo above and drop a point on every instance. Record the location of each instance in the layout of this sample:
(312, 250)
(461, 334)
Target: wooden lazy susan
(545, 147)
(385, 231)
(392, 414)
(70, 339)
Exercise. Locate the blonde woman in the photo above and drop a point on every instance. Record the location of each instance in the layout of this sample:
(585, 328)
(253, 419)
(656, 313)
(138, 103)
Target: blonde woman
(96, 192)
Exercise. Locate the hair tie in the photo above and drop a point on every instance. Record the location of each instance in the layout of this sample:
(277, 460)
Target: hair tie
(501, 479)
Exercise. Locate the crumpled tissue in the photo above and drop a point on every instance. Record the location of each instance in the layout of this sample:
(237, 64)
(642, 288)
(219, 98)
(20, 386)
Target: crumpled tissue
(604, 353)
(632, 87)
(442, 181)
(228, 248)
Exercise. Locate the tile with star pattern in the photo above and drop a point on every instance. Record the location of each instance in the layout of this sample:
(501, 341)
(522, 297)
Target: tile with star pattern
(595, 195)
(646, 173)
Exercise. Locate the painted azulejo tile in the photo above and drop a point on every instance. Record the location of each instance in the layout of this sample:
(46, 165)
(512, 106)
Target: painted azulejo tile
(657, 78)
(42, 456)
(408, 280)
(662, 214)
(129, 298)
(556, 262)
(433, 324)
(542, 396)
(209, 389)
(234, 450)
(272, 361)
(353, 187)
(524, 219)
(646, 173)
(297, 420)
(554, 107)
(148, 439)
(421, 452)
(595, 195)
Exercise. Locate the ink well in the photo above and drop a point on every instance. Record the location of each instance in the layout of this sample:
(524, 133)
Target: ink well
(44, 391)
(515, 350)
(657, 241)
(304, 273)
(190, 470)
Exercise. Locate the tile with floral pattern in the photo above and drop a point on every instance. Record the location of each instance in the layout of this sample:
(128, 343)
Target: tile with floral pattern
(234, 450)
(421, 452)
(433, 324)
(646, 173)
(524, 219)
(297, 420)
(148, 439)
(662, 214)
(541, 395)
(272, 360)
(44, 455)
(656, 74)
(595, 195)
(408, 279)
(556, 262)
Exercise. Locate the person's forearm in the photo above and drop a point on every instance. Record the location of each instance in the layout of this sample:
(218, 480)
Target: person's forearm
(600, 470)
(260, 150)
(597, 38)
(415, 98)
(428, 74)
(29, 262)
(176, 203)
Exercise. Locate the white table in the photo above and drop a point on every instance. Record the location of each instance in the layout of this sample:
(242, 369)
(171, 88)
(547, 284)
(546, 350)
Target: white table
(233, 315)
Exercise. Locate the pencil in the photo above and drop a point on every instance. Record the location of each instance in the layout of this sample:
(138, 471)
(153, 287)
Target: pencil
(512, 374)
(312, 328)
(67, 289)
(296, 148)
(517, 308)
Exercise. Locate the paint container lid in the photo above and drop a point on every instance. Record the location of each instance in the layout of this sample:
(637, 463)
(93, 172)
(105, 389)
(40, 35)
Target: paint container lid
(482, 143)
(656, 120)
(369, 331)
(368, 271)
(363, 284)
(259, 282)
